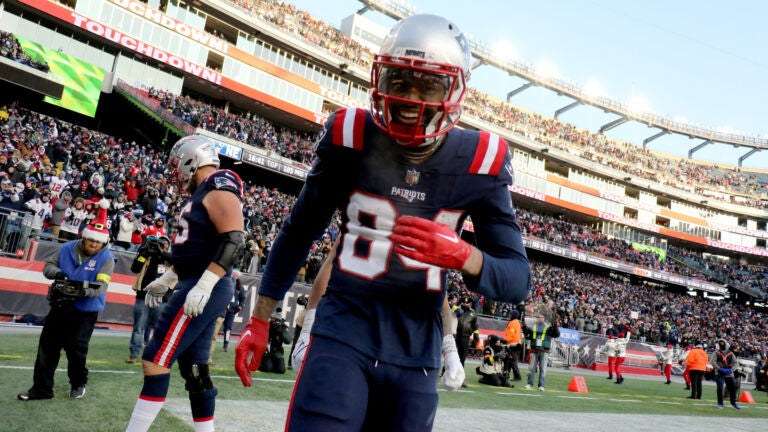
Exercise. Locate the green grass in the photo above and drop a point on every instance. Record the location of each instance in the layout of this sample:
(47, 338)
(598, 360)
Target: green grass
(114, 385)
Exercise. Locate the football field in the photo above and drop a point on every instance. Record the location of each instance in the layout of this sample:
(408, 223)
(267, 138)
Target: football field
(640, 404)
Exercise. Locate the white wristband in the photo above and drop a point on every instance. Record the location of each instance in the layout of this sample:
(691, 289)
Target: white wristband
(309, 319)
(207, 281)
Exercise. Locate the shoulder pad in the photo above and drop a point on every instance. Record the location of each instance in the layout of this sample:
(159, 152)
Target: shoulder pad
(345, 128)
(490, 154)
(226, 180)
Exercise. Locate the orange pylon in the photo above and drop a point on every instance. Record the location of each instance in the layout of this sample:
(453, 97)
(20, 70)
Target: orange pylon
(746, 397)
(578, 385)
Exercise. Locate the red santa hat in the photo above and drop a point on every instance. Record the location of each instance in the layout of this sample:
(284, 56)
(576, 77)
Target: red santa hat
(97, 229)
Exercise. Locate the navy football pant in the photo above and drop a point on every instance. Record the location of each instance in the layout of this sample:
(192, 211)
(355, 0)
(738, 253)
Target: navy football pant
(179, 337)
(340, 389)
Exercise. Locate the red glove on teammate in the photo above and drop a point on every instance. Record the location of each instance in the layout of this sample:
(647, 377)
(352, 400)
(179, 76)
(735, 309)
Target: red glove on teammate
(253, 343)
(430, 242)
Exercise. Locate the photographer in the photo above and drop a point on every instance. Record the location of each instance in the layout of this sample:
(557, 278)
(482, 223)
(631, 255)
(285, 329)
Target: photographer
(151, 261)
(491, 370)
(301, 301)
(274, 357)
(82, 270)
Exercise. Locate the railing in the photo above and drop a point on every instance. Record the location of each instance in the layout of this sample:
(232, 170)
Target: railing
(14, 232)
(155, 107)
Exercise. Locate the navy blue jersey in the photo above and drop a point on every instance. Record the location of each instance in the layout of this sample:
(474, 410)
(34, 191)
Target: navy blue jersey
(194, 244)
(384, 304)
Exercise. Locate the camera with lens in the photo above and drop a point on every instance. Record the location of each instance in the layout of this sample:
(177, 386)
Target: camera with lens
(63, 292)
(302, 300)
(152, 246)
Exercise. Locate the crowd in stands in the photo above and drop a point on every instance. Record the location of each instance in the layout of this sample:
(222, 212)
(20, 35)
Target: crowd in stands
(582, 299)
(596, 304)
(11, 48)
(704, 179)
(725, 270)
(246, 128)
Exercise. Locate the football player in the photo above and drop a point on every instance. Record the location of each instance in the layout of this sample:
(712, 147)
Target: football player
(405, 180)
(209, 240)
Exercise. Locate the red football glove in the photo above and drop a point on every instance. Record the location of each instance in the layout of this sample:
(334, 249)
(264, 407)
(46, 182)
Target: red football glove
(253, 343)
(430, 242)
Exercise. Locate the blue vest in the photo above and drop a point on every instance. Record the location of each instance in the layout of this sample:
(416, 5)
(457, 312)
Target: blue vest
(85, 271)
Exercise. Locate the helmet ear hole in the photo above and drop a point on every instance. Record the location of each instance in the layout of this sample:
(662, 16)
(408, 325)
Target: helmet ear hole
(187, 155)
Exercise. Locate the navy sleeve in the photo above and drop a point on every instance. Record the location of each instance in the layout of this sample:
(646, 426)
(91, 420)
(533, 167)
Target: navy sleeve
(505, 275)
(308, 219)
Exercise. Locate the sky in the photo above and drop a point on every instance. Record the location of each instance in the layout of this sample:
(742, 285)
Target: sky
(704, 62)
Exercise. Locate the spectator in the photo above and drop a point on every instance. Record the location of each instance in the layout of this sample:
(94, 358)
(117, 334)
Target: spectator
(41, 211)
(59, 211)
(74, 217)
(125, 229)
(83, 191)
(9, 195)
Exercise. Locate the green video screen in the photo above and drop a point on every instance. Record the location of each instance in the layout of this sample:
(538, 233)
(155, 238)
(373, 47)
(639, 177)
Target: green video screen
(81, 80)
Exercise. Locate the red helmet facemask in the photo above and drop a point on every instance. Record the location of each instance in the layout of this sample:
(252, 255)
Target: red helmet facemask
(395, 81)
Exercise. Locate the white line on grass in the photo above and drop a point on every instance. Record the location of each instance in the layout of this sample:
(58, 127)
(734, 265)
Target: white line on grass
(624, 400)
(64, 370)
(669, 403)
(282, 380)
(577, 397)
(519, 394)
(290, 381)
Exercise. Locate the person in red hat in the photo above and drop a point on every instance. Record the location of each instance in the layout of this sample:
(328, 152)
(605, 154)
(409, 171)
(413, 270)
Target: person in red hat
(81, 271)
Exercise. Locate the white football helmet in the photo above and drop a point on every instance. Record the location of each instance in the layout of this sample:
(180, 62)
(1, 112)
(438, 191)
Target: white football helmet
(430, 53)
(187, 155)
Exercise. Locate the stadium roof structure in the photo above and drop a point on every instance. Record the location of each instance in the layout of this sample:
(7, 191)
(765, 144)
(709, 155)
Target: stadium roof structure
(485, 56)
